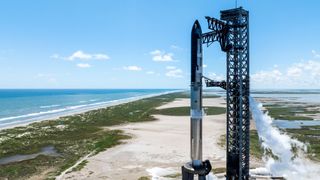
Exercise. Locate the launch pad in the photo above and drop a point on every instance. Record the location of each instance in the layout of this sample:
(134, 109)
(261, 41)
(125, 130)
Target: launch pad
(232, 33)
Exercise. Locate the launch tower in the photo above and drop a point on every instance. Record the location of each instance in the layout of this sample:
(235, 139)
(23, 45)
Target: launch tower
(232, 32)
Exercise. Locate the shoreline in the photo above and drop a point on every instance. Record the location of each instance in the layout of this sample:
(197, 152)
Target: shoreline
(73, 137)
(129, 132)
(87, 109)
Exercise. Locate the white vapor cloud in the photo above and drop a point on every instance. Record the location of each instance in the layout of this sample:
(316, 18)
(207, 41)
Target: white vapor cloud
(159, 56)
(80, 55)
(132, 68)
(174, 72)
(289, 164)
(83, 65)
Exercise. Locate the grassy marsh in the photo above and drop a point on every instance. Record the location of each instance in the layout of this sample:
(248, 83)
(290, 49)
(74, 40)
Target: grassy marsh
(289, 112)
(311, 136)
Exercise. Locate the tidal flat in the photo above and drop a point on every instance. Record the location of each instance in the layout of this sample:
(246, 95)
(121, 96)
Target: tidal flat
(289, 109)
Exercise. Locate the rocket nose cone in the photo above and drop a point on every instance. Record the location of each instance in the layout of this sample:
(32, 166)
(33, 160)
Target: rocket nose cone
(196, 26)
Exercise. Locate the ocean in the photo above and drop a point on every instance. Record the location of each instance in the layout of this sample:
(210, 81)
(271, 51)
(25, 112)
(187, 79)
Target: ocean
(20, 106)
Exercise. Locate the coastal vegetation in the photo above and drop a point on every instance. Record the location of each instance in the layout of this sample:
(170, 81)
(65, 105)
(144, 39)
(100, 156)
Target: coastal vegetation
(286, 111)
(72, 136)
(185, 111)
(310, 135)
(76, 136)
(255, 145)
(144, 178)
(186, 94)
(80, 166)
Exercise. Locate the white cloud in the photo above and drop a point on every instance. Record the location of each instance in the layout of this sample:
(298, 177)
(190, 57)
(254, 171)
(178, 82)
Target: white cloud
(80, 55)
(171, 67)
(315, 54)
(216, 77)
(294, 71)
(47, 77)
(55, 56)
(158, 55)
(52, 80)
(267, 76)
(40, 75)
(83, 65)
(204, 65)
(175, 47)
(174, 72)
(101, 56)
(150, 72)
(304, 74)
(132, 68)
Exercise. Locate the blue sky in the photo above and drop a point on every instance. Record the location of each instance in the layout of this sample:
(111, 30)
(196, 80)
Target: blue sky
(145, 44)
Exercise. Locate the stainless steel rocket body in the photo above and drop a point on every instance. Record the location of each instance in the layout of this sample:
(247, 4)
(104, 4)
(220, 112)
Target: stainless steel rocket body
(196, 95)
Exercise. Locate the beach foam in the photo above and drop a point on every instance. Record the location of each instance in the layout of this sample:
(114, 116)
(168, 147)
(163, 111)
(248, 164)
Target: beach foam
(68, 110)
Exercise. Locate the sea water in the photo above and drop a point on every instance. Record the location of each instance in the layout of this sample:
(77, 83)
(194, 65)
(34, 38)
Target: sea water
(19, 106)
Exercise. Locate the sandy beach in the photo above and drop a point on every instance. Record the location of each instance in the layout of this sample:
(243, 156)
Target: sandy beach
(158, 148)
(83, 110)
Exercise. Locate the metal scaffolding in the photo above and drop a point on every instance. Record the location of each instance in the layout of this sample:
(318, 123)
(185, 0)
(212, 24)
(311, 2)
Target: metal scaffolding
(232, 32)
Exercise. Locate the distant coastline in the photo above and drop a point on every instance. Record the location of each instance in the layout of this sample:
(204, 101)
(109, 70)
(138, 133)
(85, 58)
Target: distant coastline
(72, 137)
(76, 138)
(56, 110)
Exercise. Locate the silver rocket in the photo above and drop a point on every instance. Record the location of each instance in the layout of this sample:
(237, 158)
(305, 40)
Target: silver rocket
(196, 95)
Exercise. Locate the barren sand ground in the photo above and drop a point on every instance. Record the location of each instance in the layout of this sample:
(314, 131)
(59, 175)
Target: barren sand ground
(161, 146)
